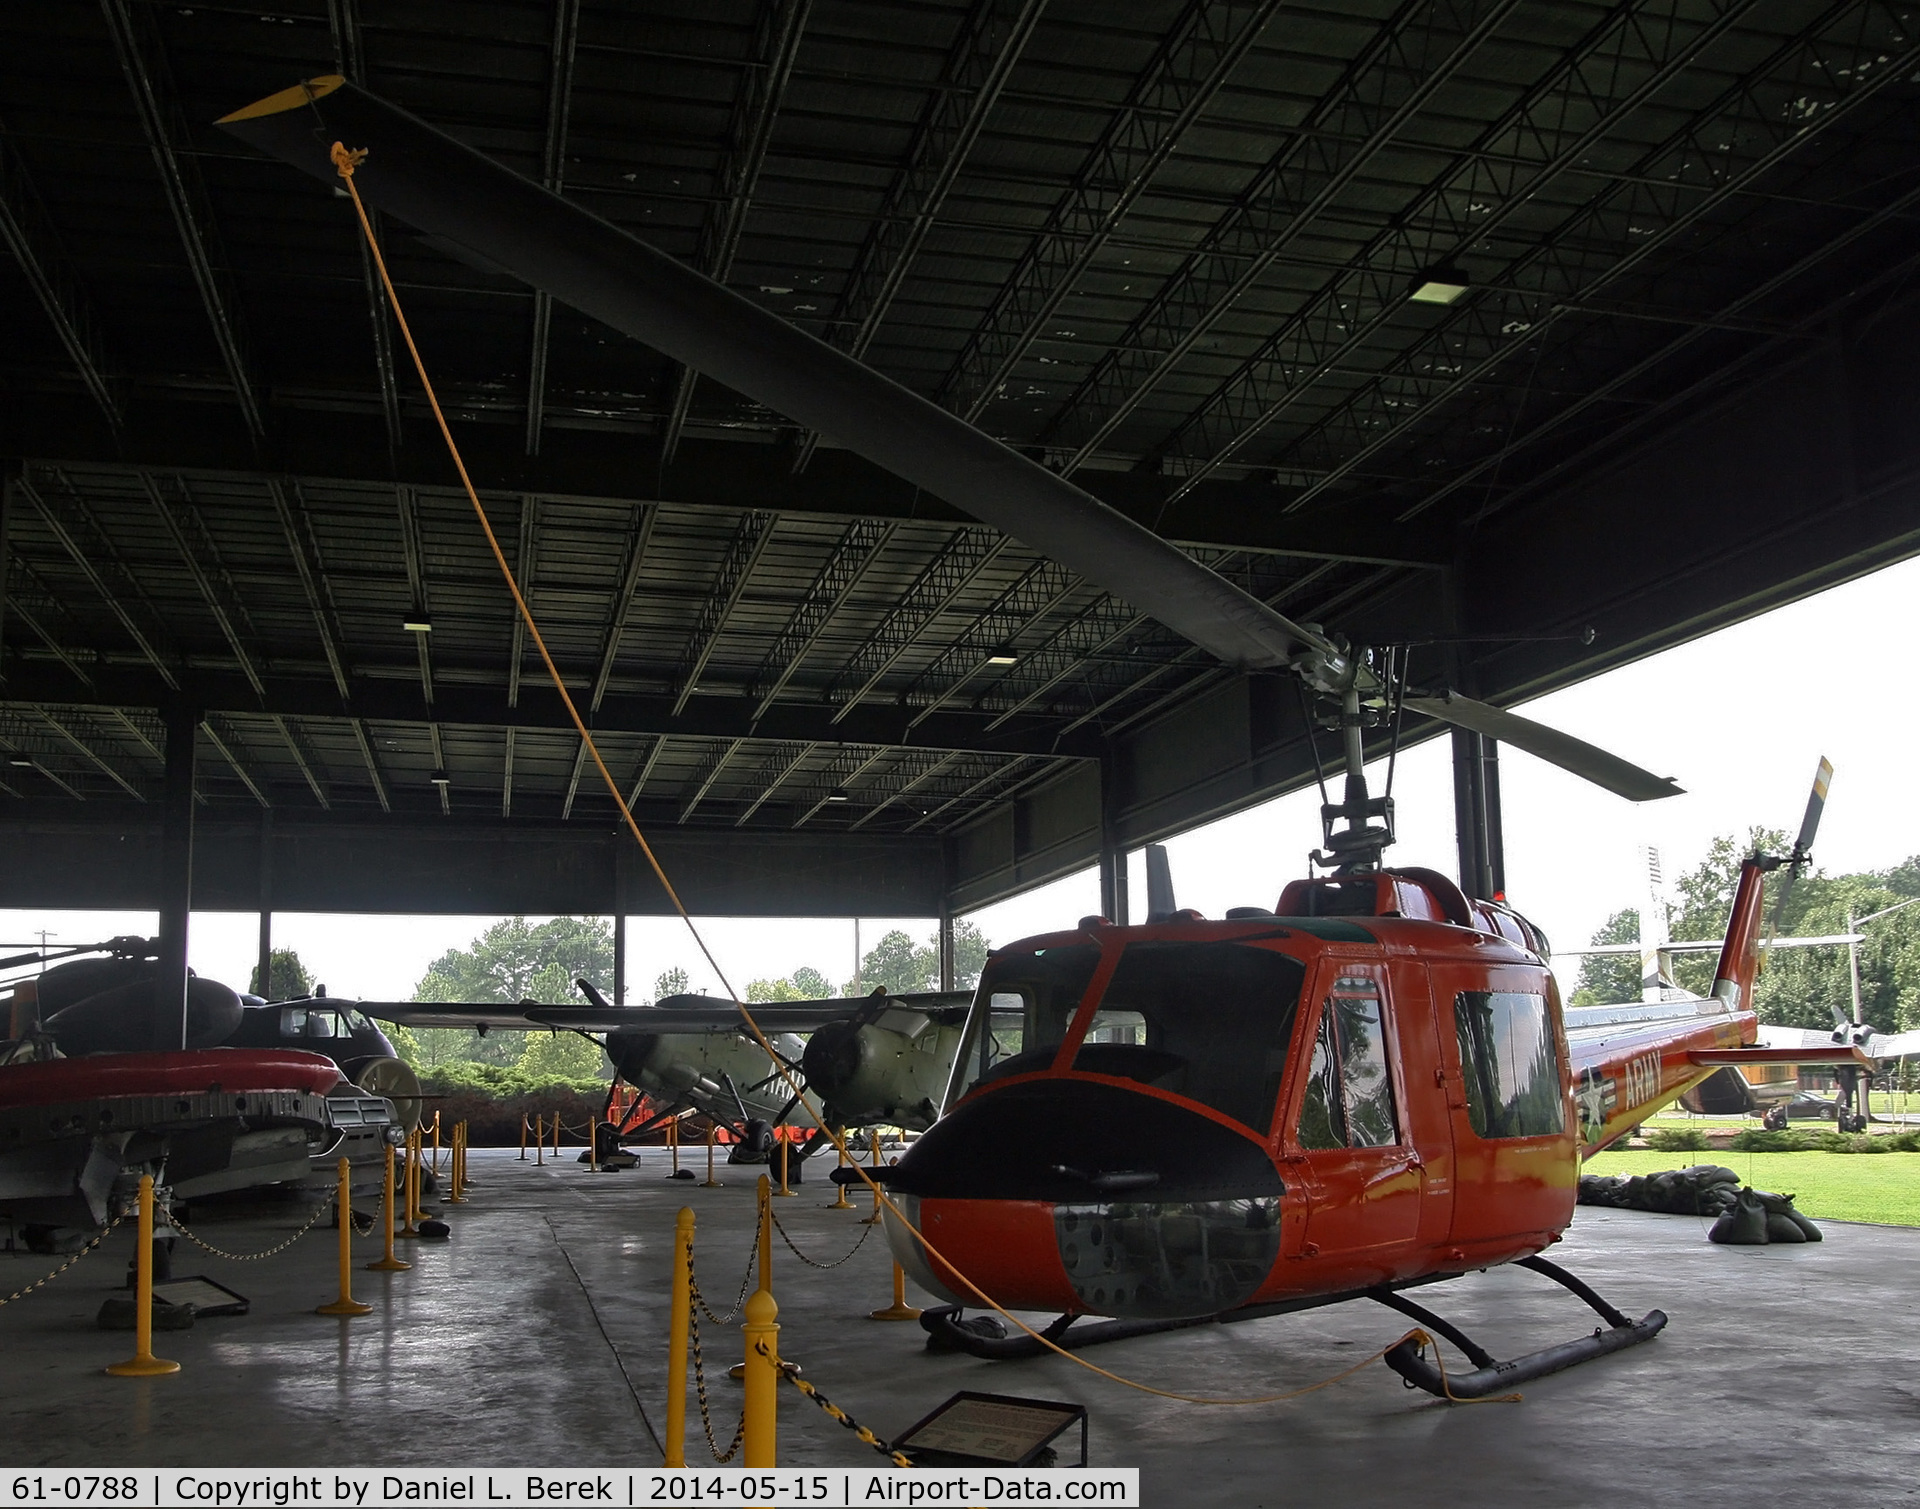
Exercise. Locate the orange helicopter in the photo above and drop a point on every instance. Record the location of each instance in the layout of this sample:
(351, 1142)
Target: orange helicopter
(1371, 1089)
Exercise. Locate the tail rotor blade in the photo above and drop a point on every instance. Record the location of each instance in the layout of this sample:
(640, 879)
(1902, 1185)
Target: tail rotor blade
(1802, 852)
(1589, 761)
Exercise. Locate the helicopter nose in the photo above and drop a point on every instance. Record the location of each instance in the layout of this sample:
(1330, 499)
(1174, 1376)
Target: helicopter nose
(1080, 1195)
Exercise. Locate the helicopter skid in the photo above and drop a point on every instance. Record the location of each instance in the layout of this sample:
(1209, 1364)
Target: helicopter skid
(1491, 1376)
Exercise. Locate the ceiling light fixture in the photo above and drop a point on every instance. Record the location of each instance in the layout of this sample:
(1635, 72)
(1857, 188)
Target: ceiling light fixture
(416, 625)
(838, 794)
(1005, 655)
(1440, 285)
(441, 778)
(21, 762)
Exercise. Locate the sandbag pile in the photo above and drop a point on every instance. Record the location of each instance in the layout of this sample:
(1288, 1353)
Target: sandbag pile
(1744, 1217)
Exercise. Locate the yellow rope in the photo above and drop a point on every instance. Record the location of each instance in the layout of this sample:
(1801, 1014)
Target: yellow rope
(346, 160)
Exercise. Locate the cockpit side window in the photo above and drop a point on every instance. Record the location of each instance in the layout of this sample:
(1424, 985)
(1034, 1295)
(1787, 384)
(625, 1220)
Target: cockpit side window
(1349, 1094)
(1020, 1013)
(1209, 1021)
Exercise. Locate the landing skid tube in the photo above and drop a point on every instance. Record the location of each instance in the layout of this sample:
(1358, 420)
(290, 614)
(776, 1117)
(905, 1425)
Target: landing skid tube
(1491, 1376)
(986, 1338)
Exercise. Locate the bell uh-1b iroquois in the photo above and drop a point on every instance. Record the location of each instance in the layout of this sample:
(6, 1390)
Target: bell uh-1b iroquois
(1374, 1089)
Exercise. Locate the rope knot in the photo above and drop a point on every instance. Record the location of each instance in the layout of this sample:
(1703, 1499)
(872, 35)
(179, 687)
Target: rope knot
(346, 159)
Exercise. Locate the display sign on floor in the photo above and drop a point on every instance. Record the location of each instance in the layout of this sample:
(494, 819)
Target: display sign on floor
(514, 1487)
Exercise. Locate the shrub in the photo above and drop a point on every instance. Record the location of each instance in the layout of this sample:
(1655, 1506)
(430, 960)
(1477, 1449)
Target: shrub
(1678, 1140)
(492, 1099)
(1759, 1140)
(1903, 1142)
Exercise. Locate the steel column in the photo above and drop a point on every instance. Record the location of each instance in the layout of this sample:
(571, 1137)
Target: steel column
(264, 984)
(1113, 853)
(1476, 815)
(176, 882)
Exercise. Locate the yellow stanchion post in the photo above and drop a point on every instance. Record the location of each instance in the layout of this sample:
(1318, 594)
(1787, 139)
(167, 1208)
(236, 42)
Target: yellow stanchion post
(712, 1183)
(840, 1200)
(456, 1170)
(436, 1144)
(874, 1219)
(763, 1237)
(673, 1145)
(143, 1364)
(785, 1149)
(899, 1309)
(387, 1262)
(346, 1304)
(410, 1204)
(593, 1144)
(556, 1136)
(523, 1136)
(681, 1316)
(759, 1447)
(540, 1140)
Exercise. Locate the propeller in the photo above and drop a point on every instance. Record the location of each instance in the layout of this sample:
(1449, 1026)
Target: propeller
(456, 196)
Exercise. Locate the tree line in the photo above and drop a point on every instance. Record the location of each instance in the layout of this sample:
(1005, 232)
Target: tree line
(1799, 986)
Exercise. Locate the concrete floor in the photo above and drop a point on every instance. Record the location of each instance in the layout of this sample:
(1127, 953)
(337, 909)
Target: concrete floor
(1786, 1370)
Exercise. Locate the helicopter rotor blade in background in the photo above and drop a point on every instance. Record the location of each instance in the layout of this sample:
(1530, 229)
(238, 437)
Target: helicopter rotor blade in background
(449, 191)
(1798, 860)
(1160, 902)
(1589, 761)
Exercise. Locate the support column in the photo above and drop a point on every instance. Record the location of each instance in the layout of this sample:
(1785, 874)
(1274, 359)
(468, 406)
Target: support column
(264, 967)
(619, 919)
(176, 882)
(9, 478)
(946, 945)
(1113, 853)
(1476, 815)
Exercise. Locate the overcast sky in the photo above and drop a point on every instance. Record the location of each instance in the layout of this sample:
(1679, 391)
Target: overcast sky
(1739, 718)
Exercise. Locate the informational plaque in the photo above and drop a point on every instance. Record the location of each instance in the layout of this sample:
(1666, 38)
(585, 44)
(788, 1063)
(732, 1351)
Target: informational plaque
(995, 1429)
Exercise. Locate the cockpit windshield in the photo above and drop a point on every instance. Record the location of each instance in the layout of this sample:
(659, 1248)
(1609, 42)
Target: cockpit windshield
(1020, 1013)
(1210, 1021)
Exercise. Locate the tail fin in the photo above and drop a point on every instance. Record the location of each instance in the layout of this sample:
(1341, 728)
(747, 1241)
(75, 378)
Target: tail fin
(1740, 955)
(1160, 902)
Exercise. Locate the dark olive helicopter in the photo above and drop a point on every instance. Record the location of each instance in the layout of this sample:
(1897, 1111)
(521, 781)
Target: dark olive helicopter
(1369, 1088)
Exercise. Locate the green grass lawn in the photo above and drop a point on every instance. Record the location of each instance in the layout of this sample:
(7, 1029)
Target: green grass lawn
(1883, 1187)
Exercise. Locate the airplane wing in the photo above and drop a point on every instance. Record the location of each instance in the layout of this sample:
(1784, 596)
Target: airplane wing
(675, 1014)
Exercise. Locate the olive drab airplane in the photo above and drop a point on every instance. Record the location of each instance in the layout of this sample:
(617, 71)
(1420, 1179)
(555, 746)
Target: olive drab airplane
(1369, 1088)
(876, 1060)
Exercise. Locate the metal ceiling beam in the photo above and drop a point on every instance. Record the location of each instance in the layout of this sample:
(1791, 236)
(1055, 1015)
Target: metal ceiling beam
(122, 779)
(944, 579)
(506, 775)
(1038, 592)
(225, 743)
(772, 775)
(992, 37)
(1747, 130)
(846, 767)
(304, 758)
(929, 771)
(165, 129)
(743, 553)
(704, 779)
(73, 525)
(1414, 55)
(776, 44)
(295, 528)
(856, 550)
(622, 605)
(646, 769)
(1012, 771)
(33, 602)
(1201, 48)
(415, 555)
(573, 781)
(553, 171)
(1467, 472)
(202, 559)
(29, 233)
(525, 566)
(373, 765)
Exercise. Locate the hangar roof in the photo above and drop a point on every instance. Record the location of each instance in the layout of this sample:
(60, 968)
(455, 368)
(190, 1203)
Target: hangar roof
(1171, 248)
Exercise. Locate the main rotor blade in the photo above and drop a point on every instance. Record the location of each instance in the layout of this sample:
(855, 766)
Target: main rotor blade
(445, 189)
(1622, 777)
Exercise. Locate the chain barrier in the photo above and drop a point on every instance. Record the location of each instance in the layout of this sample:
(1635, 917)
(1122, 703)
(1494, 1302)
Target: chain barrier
(811, 1263)
(700, 1379)
(98, 1238)
(833, 1411)
(699, 1300)
(254, 1257)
